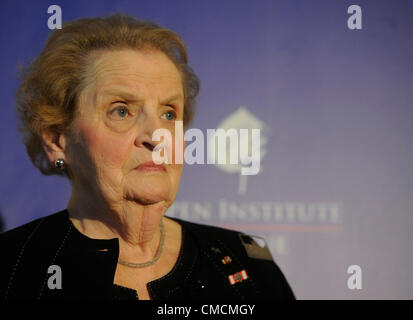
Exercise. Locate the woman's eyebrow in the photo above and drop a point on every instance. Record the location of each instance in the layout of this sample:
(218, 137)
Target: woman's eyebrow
(130, 97)
(122, 94)
(174, 97)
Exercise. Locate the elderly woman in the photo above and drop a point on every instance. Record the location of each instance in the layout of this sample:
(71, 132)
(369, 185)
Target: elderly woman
(89, 105)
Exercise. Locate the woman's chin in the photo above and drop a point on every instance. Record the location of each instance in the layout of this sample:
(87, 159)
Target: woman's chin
(148, 193)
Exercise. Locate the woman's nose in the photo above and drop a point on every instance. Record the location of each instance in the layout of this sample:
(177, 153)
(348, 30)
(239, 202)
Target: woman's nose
(149, 146)
(146, 127)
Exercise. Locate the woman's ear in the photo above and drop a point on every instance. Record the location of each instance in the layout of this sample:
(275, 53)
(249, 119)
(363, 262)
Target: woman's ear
(54, 144)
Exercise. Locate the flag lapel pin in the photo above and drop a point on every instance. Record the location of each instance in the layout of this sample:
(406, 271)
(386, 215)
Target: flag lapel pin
(238, 277)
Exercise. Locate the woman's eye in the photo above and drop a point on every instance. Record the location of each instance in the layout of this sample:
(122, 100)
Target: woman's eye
(170, 115)
(120, 112)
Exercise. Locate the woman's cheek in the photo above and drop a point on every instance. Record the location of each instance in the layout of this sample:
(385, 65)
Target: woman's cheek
(110, 149)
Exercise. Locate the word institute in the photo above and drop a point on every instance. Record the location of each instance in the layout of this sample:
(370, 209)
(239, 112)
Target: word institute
(242, 149)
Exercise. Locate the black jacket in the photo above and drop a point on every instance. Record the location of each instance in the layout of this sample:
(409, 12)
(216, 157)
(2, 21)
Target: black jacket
(214, 263)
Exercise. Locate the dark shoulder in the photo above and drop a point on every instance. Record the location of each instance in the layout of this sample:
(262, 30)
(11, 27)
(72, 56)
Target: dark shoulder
(257, 260)
(25, 249)
(30, 237)
(19, 233)
(24, 233)
(15, 240)
(207, 234)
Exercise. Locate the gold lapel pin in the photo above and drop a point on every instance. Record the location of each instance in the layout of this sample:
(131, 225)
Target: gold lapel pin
(226, 260)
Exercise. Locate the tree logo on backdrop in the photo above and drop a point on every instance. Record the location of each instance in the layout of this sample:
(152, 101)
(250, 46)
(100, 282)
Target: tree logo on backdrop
(242, 118)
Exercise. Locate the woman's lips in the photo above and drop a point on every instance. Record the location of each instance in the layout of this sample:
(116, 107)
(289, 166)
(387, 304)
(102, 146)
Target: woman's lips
(151, 166)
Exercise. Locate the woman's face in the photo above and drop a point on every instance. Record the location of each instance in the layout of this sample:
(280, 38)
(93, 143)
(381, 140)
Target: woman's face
(130, 94)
